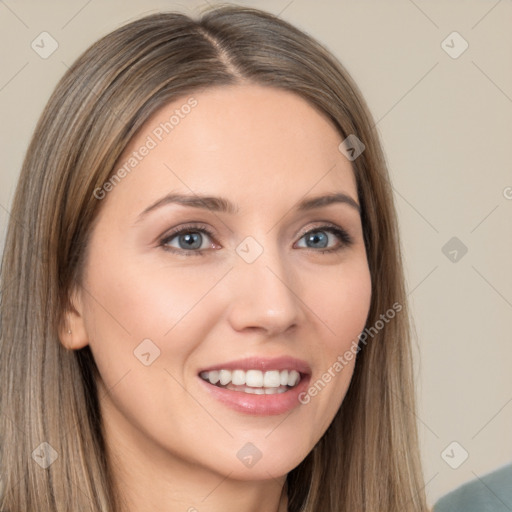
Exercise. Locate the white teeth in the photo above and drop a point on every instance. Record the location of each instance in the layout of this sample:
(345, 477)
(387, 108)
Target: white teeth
(258, 391)
(273, 391)
(225, 377)
(272, 379)
(254, 378)
(259, 381)
(238, 377)
(293, 378)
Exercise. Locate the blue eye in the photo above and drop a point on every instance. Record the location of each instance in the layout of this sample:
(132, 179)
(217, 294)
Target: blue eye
(189, 240)
(318, 238)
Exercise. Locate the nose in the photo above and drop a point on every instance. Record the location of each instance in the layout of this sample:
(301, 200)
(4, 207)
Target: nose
(264, 295)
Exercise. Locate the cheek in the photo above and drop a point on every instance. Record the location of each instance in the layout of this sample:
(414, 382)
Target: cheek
(130, 301)
(144, 298)
(342, 303)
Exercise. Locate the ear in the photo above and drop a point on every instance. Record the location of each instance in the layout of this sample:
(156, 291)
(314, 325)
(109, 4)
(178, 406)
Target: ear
(72, 331)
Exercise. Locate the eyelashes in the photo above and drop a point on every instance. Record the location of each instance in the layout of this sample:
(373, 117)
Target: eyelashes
(194, 234)
(189, 229)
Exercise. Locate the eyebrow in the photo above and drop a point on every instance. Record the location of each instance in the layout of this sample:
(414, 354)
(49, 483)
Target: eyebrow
(219, 204)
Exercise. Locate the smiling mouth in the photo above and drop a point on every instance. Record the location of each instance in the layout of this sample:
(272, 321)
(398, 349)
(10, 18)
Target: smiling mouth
(255, 382)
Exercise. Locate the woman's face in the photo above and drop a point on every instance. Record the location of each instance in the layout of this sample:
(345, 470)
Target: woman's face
(241, 278)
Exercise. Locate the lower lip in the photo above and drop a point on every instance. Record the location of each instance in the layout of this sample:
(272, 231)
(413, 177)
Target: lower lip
(260, 405)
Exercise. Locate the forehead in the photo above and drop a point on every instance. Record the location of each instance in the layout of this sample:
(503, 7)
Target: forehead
(241, 141)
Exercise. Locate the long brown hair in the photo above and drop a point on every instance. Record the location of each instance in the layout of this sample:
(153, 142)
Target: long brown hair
(368, 459)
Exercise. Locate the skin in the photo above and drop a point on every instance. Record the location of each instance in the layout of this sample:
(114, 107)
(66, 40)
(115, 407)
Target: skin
(174, 446)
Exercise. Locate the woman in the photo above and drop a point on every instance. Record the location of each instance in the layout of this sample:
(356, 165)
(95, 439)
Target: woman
(270, 372)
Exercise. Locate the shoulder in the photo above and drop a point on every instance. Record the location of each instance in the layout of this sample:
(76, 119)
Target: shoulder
(490, 493)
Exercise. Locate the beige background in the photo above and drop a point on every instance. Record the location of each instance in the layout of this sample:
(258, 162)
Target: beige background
(446, 126)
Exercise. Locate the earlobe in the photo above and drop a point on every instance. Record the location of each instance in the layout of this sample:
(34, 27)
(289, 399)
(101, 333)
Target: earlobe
(72, 331)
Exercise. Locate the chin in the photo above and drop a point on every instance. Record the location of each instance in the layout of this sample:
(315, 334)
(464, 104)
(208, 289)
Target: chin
(270, 460)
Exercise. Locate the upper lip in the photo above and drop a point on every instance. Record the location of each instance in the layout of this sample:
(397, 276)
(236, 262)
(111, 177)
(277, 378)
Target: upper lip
(263, 364)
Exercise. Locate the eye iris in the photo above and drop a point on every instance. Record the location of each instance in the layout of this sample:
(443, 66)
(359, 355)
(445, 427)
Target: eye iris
(191, 241)
(318, 236)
